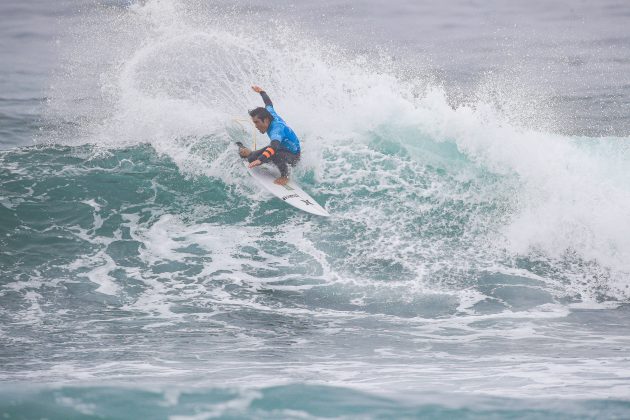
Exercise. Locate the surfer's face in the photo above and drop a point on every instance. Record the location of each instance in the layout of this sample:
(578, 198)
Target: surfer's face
(261, 125)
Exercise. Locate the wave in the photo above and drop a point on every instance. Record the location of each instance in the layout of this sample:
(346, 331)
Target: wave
(415, 182)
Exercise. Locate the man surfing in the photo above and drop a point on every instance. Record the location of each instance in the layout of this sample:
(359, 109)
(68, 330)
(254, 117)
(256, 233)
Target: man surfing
(284, 148)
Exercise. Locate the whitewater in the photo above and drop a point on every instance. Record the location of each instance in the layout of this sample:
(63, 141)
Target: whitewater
(476, 263)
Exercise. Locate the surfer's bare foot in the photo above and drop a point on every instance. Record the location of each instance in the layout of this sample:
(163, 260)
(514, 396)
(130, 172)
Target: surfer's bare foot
(281, 181)
(244, 152)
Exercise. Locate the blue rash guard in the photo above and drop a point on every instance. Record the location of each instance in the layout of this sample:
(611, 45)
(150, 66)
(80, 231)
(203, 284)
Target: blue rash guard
(279, 130)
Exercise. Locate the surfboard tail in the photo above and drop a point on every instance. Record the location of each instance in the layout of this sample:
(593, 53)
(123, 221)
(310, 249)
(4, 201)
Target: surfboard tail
(290, 193)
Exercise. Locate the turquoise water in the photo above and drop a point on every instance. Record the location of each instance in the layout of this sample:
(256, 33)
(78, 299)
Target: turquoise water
(290, 402)
(475, 264)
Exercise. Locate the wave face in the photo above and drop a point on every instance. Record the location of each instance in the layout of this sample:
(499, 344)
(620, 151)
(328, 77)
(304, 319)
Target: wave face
(467, 251)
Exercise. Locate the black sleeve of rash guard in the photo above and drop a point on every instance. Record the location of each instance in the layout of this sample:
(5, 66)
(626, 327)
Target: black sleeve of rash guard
(265, 98)
(269, 151)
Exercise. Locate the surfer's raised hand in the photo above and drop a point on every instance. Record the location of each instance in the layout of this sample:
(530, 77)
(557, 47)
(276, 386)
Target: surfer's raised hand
(257, 89)
(254, 164)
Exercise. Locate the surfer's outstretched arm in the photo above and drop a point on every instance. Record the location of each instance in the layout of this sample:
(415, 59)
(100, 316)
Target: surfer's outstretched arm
(263, 155)
(269, 151)
(264, 95)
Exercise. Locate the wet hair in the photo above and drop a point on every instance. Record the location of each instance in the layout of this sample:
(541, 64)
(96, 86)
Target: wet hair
(261, 113)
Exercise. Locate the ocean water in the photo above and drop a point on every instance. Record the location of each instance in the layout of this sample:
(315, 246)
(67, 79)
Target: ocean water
(473, 155)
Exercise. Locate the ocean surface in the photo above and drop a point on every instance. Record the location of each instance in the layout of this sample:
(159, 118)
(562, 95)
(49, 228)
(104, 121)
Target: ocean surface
(474, 157)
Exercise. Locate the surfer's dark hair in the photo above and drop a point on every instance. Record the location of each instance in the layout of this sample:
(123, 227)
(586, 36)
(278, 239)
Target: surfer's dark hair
(261, 113)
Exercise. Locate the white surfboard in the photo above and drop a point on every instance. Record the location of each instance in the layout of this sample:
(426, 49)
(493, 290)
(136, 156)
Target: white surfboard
(290, 193)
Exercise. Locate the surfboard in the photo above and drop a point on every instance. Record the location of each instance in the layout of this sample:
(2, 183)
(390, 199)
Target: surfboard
(290, 193)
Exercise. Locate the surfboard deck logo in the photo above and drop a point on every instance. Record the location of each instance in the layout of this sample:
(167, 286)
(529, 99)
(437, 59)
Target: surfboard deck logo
(290, 193)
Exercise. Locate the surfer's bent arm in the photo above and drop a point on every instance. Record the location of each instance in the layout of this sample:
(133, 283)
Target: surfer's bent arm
(265, 98)
(269, 151)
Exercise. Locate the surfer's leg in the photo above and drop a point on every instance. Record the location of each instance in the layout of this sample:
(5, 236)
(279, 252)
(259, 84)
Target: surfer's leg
(281, 159)
(282, 165)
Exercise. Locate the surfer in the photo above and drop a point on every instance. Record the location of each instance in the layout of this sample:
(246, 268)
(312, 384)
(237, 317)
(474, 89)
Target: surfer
(284, 148)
